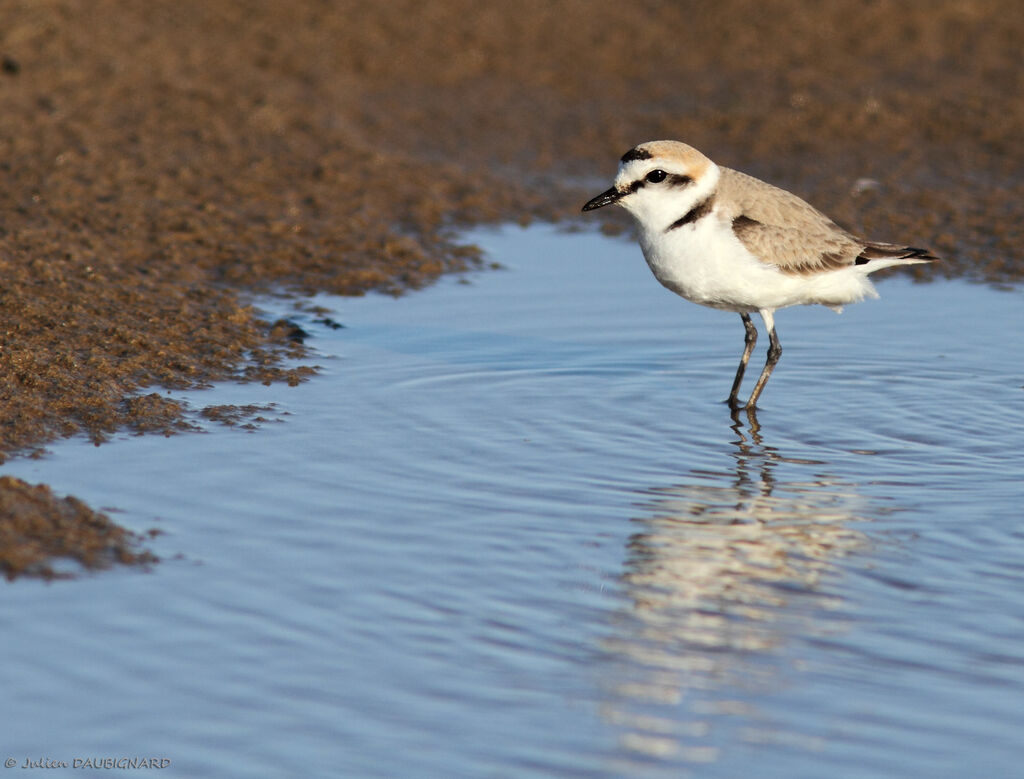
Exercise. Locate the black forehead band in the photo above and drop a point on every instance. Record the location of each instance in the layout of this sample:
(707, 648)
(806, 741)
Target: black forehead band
(636, 153)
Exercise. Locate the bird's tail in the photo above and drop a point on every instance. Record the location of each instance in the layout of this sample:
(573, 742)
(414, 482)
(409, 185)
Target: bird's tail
(882, 255)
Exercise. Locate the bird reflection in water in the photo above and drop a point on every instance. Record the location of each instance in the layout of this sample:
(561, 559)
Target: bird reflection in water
(725, 574)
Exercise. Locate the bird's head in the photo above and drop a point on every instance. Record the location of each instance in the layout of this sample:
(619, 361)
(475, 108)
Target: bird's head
(658, 181)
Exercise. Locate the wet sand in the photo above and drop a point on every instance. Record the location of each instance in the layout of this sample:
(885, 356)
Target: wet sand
(161, 162)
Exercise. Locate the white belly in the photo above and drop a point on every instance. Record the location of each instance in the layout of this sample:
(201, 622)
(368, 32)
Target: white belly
(706, 264)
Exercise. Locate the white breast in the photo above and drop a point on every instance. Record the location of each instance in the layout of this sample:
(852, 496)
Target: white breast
(705, 263)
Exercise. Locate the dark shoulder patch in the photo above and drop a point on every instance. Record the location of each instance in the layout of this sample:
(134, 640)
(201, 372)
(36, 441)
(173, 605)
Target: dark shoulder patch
(636, 153)
(743, 224)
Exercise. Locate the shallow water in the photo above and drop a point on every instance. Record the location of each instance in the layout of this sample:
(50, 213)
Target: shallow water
(511, 530)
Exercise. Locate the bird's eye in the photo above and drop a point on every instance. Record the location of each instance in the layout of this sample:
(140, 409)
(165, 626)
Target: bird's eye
(656, 176)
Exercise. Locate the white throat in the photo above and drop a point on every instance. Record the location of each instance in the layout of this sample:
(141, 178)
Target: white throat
(656, 208)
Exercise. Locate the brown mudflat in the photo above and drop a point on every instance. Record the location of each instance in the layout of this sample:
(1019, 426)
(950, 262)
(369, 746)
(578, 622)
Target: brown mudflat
(36, 527)
(161, 161)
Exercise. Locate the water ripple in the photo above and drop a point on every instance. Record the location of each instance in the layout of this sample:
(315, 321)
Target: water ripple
(512, 530)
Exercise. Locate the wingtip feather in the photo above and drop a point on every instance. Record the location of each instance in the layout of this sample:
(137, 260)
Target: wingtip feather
(891, 252)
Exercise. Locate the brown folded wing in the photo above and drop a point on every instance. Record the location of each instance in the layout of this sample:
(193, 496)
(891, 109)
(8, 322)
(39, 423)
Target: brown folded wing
(780, 229)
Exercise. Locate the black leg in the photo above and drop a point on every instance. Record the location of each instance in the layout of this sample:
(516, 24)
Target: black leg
(749, 339)
(774, 352)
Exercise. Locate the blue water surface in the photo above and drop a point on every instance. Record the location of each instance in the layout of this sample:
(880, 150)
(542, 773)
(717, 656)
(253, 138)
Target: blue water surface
(511, 530)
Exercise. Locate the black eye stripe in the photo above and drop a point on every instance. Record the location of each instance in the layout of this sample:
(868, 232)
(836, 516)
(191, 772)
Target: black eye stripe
(671, 179)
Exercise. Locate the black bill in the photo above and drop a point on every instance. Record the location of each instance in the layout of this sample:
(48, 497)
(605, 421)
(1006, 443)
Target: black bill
(606, 198)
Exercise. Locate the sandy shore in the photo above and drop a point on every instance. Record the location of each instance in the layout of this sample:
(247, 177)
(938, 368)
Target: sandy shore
(163, 160)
